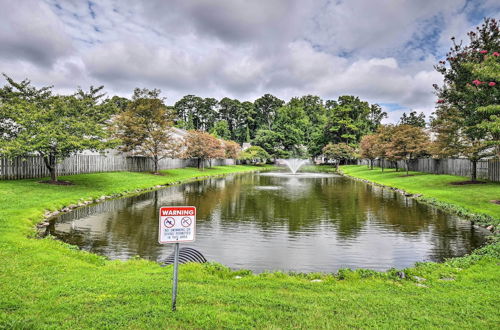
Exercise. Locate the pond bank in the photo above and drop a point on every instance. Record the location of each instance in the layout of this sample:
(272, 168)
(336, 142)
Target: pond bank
(469, 201)
(47, 283)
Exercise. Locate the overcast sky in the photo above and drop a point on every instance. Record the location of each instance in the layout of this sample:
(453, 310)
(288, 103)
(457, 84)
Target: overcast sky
(382, 51)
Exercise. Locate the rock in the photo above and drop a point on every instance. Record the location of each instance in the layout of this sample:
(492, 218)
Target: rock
(65, 209)
(81, 204)
(237, 277)
(421, 285)
(55, 213)
(419, 279)
(490, 228)
(401, 274)
(317, 280)
(72, 206)
(408, 194)
(417, 195)
(447, 279)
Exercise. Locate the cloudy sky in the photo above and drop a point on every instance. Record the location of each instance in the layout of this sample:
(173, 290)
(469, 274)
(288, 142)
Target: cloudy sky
(382, 51)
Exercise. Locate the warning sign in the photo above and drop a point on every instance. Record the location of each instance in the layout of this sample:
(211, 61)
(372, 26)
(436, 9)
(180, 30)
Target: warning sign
(177, 224)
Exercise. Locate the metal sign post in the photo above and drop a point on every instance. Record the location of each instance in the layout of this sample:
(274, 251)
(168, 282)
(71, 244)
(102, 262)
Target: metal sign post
(177, 225)
(176, 271)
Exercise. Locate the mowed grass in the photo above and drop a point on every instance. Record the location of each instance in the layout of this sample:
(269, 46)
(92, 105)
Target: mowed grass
(45, 283)
(474, 198)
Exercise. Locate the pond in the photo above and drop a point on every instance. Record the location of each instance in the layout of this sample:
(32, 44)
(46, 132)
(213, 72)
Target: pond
(275, 221)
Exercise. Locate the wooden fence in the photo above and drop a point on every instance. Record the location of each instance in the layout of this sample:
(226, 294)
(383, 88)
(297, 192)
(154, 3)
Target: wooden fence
(34, 167)
(486, 169)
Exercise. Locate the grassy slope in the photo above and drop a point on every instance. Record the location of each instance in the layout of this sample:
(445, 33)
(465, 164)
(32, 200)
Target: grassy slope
(473, 198)
(46, 283)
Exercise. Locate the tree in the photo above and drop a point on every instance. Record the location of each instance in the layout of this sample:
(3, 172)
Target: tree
(408, 143)
(34, 121)
(384, 136)
(266, 108)
(466, 102)
(291, 125)
(202, 146)
(338, 152)
(221, 130)
(144, 128)
(413, 119)
(370, 147)
(232, 149)
(272, 142)
(255, 154)
(347, 120)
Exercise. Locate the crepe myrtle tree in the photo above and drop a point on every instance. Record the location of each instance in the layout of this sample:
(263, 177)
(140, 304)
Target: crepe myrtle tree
(469, 97)
(408, 143)
(232, 149)
(369, 148)
(339, 152)
(202, 146)
(144, 128)
(36, 121)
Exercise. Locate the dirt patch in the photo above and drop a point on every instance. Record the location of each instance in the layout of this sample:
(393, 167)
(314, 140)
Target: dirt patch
(462, 183)
(495, 201)
(57, 183)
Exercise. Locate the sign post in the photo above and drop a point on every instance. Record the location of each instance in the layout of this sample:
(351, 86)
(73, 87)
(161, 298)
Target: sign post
(177, 225)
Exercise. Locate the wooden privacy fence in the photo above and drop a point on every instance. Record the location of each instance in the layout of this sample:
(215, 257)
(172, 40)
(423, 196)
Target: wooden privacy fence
(34, 167)
(486, 169)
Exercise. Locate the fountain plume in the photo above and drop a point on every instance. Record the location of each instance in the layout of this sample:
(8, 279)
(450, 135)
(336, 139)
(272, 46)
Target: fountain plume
(294, 164)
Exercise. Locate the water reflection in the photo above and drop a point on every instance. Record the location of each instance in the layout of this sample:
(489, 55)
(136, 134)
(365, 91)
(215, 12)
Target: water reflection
(263, 222)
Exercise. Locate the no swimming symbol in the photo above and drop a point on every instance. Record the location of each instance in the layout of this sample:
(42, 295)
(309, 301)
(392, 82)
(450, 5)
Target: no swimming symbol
(186, 222)
(169, 222)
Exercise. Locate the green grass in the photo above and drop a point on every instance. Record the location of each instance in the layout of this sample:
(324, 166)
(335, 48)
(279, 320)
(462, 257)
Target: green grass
(45, 283)
(469, 199)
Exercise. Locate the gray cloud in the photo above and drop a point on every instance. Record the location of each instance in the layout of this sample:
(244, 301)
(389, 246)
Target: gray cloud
(380, 51)
(31, 31)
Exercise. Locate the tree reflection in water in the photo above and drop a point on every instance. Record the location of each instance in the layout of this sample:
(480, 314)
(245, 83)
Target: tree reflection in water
(263, 222)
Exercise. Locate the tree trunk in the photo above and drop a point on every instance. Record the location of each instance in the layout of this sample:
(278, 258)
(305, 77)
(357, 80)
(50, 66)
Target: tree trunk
(396, 166)
(407, 162)
(382, 164)
(474, 170)
(199, 163)
(371, 164)
(155, 164)
(337, 165)
(51, 164)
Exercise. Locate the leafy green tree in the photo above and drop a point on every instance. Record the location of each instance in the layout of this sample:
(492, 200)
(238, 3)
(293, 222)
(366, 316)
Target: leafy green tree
(291, 125)
(221, 130)
(272, 142)
(187, 109)
(35, 121)
(413, 119)
(339, 152)
(266, 108)
(467, 103)
(255, 154)
(144, 128)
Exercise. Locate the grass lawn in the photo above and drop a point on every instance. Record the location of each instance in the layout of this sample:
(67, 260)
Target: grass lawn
(472, 198)
(45, 283)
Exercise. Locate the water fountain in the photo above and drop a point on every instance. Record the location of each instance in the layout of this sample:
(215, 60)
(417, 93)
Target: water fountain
(294, 164)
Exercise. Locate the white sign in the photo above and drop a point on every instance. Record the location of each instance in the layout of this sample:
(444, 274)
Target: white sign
(177, 224)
